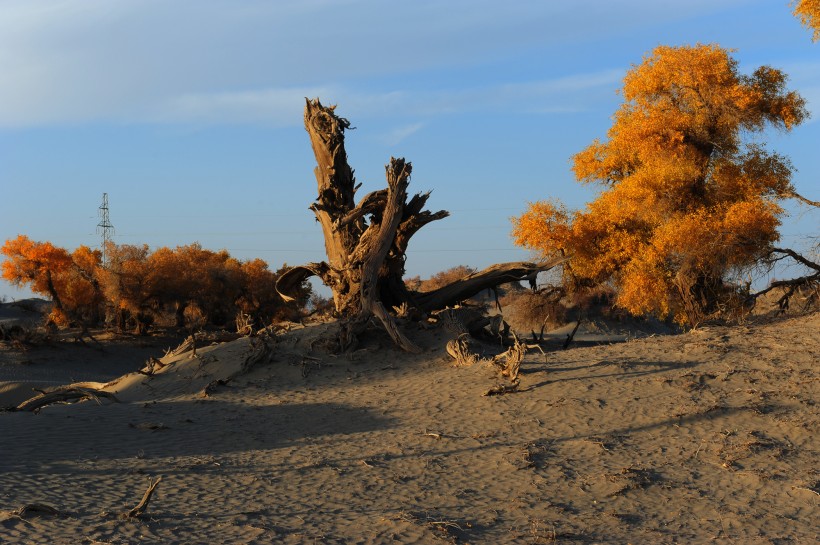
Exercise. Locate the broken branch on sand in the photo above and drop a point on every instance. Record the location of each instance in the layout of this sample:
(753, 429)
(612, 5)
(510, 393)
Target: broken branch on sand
(142, 506)
(28, 510)
(502, 389)
(64, 394)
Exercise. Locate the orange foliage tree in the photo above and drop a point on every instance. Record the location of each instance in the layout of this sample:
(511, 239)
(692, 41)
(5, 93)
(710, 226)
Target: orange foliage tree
(808, 11)
(685, 196)
(192, 281)
(126, 285)
(70, 280)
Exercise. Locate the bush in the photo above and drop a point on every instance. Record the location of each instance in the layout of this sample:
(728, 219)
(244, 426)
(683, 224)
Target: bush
(527, 311)
(443, 278)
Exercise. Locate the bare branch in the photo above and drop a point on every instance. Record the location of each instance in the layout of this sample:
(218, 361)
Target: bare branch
(797, 257)
(801, 198)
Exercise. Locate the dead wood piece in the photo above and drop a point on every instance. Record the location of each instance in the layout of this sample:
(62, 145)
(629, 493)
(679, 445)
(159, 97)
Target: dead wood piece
(459, 350)
(142, 506)
(463, 319)
(244, 324)
(499, 327)
(502, 389)
(791, 285)
(185, 346)
(375, 253)
(291, 279)
(29, 510)
(69, 394)
(801, 198)
(572, 334)
(149, 426)
(152, 365)
(212, 387)
(262, 347)
(452, 322)
(495, 275)
(509, 362)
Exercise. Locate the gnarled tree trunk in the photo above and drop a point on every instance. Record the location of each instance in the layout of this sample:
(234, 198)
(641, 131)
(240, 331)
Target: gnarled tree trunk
(366, 242)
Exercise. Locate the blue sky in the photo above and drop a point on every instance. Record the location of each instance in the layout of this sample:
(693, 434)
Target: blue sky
(189, 113)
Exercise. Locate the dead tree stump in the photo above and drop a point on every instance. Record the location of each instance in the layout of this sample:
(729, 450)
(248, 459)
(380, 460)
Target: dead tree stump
(366, 243)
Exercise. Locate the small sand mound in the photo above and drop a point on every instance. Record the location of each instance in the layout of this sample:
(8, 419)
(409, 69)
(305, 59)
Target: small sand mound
(190, 371)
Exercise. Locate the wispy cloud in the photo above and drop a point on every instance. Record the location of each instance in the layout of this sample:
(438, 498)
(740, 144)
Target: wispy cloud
(398, 134)
(279, 107)
(222, 61)
(283, 106)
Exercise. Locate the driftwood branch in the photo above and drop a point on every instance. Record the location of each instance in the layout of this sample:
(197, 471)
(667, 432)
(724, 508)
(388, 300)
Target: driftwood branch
(67, 394)
(459, 350)
(291, 279)
(142, 506)
(509, 362)
(29, 510)
(502, 389)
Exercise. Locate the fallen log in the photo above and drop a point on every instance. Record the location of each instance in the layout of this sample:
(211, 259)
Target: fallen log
(64, 394)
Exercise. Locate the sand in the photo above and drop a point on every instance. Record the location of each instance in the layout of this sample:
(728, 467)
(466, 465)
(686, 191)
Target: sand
(704, 437)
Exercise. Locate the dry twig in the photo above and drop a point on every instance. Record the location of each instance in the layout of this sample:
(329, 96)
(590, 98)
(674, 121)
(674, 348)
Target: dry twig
(142, 506)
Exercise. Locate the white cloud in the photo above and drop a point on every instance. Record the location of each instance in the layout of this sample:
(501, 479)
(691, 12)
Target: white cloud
(220, 60)
(398, 134)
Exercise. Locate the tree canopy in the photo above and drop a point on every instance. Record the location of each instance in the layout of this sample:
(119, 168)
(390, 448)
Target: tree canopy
(688, 191)
(68, 279)
(808, 11)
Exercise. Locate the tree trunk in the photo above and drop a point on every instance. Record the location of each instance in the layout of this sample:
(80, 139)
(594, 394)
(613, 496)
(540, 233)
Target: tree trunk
(179, 313)
(366, 243)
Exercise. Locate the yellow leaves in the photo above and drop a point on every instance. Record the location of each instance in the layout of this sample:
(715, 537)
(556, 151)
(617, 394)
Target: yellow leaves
(588, 164)
(755, 174)
(749, 226)
(644, 286)
(33, 263)
(543, 227)
(808, 11)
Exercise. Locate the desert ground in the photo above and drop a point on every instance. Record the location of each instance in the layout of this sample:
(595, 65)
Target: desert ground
(708, 436)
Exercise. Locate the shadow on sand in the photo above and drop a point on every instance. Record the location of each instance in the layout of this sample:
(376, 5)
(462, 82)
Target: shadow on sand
(154, 430)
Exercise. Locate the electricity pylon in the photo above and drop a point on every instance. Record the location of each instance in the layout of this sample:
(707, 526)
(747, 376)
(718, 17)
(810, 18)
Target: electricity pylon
(104, 228)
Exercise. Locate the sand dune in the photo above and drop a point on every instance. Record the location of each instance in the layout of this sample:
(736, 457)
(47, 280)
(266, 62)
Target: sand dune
(703, 437)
